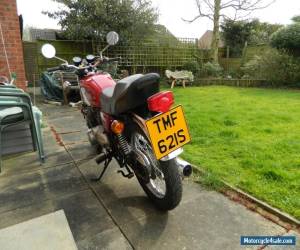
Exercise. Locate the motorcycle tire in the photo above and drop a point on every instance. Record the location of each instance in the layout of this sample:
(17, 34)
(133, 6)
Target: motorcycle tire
(169, 199)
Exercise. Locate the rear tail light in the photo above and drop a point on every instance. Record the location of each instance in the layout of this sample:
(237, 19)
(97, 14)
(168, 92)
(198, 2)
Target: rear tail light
(161, 102)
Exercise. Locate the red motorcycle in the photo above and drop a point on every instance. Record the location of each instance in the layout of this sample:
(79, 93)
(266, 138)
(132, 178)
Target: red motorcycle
(134, 123)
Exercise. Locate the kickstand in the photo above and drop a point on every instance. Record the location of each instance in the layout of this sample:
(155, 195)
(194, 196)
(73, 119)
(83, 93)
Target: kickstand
(106, 164)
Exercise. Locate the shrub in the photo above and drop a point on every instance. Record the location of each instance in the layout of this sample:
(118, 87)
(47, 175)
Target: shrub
(296, 19)
(233, 73)
(277, 67)
(191, 66)
(236, 33)
(287, 38)
(211, 69)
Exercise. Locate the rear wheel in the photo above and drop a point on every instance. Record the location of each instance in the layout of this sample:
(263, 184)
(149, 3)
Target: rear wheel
(163, 183)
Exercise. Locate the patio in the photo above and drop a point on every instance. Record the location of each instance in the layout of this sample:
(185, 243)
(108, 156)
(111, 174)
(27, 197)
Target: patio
(114, 214)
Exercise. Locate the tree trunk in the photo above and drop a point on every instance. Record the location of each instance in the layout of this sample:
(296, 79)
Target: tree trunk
(216, 32)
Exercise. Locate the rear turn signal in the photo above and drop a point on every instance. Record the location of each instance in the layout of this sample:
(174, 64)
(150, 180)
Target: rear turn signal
(117, 127)
(161, 102)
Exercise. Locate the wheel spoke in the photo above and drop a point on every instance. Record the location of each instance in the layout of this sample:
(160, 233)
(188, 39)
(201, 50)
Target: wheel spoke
(157, 183)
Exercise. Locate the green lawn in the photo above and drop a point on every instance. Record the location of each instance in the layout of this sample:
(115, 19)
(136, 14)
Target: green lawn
(249, 138)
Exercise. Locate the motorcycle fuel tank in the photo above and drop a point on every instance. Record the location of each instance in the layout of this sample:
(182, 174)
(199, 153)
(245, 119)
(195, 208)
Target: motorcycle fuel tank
(93, 85)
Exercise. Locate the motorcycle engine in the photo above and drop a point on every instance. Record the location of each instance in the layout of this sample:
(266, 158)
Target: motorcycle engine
(96, 135)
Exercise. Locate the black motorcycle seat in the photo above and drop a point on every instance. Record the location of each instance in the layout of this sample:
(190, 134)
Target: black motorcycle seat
(129, 93)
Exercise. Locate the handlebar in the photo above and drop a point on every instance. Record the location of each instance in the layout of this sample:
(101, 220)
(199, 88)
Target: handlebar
(70, 66)
(66, 66)
(54, 68)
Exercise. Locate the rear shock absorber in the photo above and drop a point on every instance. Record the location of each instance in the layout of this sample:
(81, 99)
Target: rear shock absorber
(126, 148)
(118, 127)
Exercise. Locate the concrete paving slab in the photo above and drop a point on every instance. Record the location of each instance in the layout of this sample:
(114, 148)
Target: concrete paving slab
(86, 216)
(46, 232)
(25, 213)
(51, 110)
(110, 239)
(67, 121)
(122, 195)
(75, 137)
(204, 220)
(71, 128)
(29, 161)
(202, 214)
(28, 192)
(209, 222)
(71, 122)
(81, 151)
(25, 189)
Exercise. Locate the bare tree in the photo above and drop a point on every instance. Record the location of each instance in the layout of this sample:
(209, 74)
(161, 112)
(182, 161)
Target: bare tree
(215, 10)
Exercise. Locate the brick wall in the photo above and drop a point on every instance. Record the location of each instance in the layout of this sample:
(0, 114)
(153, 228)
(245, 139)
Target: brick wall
(11, 31)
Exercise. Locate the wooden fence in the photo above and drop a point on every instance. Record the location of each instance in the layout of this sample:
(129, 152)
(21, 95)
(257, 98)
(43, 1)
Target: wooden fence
(232, 64)
(30, 61)
(150, 55)
(231, 82)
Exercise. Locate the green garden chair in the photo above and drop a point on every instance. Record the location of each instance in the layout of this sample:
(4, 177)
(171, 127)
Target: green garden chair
(8, 86)
(16, 108)
(11, 90)
(11, 86)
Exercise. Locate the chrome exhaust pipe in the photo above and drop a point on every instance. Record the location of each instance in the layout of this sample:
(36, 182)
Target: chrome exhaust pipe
(184, 167)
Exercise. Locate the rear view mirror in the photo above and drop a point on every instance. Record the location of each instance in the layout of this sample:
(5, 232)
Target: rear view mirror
(48, 51)
(112, 38)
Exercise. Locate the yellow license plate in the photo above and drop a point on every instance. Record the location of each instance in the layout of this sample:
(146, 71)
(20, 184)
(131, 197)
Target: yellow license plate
(168, 132)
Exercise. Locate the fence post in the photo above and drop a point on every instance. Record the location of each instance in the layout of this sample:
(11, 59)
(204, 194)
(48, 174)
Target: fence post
(227, 52)
(244, 53)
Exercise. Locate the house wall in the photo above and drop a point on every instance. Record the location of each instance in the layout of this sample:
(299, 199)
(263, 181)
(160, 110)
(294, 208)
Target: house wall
(9, 21)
